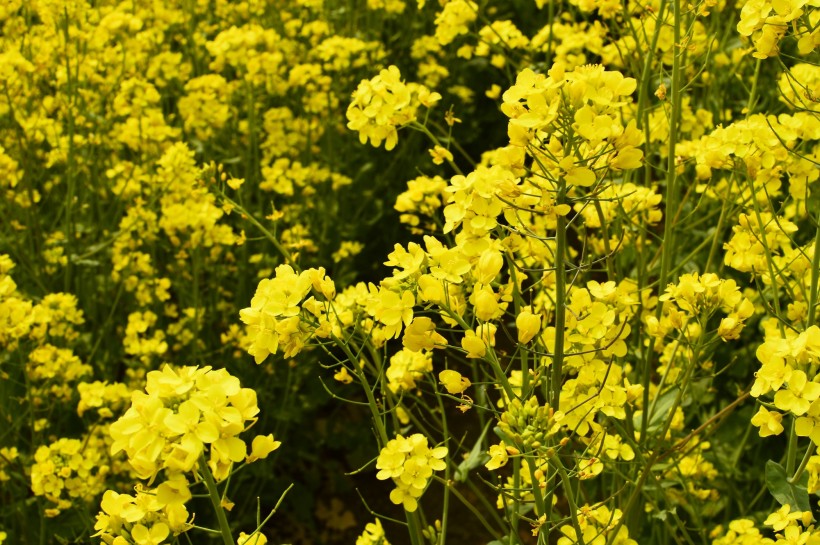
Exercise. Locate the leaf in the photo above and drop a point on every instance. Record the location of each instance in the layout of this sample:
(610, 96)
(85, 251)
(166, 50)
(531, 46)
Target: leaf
(661, 412)
(476, 458)
(794, 494)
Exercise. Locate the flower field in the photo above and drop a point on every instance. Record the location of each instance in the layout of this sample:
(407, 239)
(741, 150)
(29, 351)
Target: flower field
(410, 272)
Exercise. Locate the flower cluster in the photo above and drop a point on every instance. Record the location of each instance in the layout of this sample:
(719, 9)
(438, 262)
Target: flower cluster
(406, 367)
(149, 516)
(182, 412)
(68, 470)
(766, 23)
(593, 97)
(383, 104)
(597, 524)
(698, 297)
(786, 363)
(410, 463)
(281, 318)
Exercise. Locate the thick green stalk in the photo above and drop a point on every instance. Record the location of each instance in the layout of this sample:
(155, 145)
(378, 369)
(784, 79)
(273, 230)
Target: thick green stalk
(216, 501)
(516, 495)
(670, 212)
(791, 449)
(560, 298)
(753, 93)
(414, 526)
(671, 172)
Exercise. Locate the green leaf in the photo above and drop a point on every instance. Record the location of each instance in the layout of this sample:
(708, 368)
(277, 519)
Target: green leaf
(794, 494)
(659, 415)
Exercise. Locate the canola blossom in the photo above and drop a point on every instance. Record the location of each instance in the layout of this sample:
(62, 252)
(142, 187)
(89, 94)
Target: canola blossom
(510, 271)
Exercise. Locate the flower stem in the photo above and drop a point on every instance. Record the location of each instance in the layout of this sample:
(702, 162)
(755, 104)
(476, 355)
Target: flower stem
(216, 501)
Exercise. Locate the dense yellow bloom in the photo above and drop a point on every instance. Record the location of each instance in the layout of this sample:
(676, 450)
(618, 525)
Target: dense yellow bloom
(150, 514)
(597, 525)
(384, 103)
(406, 367)
(455, 19)
(181, 413)
(410, 463)
(69, 470)
(280, 317)
(742, 532)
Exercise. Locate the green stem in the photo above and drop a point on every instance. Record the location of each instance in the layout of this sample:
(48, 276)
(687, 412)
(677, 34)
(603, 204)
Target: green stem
(489, 357)
(470, 505)
(753, 93)
(516, 495)
(560, 297)
(573, 506)
(276, 244)
(767, 251)
(803, 464)
(371, 399)
(421, 128)
(445, 509)
(671, 172)
(815, 276)
(216, 501)
(791, 449)
(414, 526)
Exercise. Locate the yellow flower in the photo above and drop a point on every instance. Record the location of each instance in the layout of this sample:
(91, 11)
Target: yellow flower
(768, 422)
(799, 395)
(473, 344)
(498, 456)
(453, 381)
(440, 154)
(343, 376)
(406, 367)
(454, 19)
(261, 446)
(421, 335)
(528, 325)
(782, 518)
(410, 463)
(154, 536)
(373, 534)
(485, 302)
(256, 538)
(235, 183)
